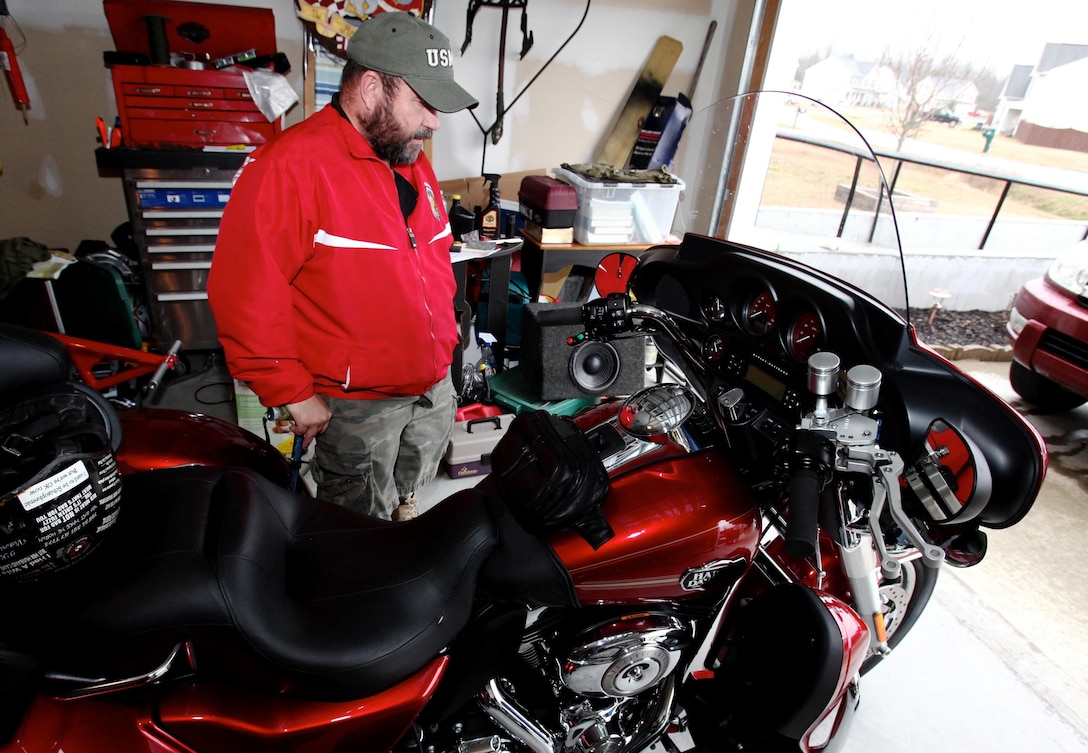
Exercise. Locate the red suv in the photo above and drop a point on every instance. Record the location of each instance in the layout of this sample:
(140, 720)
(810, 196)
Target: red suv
(1048, 329)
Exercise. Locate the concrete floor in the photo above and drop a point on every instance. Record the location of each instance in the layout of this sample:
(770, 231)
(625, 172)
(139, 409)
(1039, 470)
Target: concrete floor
(999, 660)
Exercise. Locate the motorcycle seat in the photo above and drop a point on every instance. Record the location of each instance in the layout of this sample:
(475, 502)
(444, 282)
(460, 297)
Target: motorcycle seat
(272, 589)
(31, 359)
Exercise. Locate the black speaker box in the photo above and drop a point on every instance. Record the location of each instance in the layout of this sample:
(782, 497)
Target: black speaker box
(551, 365)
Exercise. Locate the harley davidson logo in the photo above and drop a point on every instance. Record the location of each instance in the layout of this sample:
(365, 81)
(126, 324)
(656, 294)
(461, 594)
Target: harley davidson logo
(700, 578)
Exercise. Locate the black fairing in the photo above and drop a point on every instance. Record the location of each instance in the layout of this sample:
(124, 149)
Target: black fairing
(784, 655)
(918, 386)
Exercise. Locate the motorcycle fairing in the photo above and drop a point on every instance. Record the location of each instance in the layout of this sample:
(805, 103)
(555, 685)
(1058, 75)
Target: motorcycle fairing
(786, 656)
(274, 591)
(918, 386)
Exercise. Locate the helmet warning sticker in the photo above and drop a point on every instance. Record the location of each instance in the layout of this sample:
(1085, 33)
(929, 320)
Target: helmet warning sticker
(54, 486)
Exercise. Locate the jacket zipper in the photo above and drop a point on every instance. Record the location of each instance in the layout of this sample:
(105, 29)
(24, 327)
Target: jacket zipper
(426, 305)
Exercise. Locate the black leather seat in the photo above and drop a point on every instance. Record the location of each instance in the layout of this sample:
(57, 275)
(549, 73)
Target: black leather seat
(273, 589)
(30, 359)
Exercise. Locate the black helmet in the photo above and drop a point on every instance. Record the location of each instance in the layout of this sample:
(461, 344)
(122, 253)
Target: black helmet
(61, 489)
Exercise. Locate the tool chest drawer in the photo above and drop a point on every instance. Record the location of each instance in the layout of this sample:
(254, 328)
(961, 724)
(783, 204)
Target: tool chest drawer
(175, 215)
(196, 132)
(164, 107)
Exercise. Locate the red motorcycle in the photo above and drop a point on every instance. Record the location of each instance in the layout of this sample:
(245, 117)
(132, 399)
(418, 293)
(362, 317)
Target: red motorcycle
(712, 563)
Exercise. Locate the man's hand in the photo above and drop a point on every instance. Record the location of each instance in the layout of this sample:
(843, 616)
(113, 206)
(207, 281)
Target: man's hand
(311, 417)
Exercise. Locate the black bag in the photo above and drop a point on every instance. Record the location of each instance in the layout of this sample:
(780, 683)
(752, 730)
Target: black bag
(551, 477)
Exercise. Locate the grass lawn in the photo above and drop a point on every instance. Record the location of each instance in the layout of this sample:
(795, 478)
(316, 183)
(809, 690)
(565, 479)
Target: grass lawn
(806, 176)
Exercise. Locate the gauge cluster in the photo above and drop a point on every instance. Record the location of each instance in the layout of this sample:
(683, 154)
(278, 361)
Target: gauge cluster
(758, 318)
(782, 326)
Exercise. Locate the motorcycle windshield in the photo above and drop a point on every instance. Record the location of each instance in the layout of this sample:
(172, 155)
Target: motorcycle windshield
(785, 173)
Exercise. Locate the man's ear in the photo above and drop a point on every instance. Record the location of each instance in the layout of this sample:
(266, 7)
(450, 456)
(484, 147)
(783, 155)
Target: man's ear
(370, 89)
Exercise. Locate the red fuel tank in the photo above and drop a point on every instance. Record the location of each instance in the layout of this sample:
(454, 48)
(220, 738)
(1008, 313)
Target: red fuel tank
(685, 525)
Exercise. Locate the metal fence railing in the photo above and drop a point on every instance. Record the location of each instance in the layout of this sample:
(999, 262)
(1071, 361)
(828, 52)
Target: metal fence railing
(900, 159)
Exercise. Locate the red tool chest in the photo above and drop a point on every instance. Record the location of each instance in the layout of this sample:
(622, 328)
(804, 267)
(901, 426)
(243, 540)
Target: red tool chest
(161, 106)
(166, 106)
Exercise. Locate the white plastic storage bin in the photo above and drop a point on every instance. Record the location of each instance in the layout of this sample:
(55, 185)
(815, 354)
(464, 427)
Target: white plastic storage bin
(621, 213)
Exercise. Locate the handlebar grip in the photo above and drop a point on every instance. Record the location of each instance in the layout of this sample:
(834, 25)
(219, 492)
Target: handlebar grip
(802, 526)
(559, 316)
(808, 459)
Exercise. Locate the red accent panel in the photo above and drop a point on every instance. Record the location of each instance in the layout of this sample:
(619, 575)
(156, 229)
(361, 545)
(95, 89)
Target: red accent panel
(218, 719)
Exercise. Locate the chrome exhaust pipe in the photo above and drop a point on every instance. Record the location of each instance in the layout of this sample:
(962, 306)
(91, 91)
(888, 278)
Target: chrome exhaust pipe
(512, 717)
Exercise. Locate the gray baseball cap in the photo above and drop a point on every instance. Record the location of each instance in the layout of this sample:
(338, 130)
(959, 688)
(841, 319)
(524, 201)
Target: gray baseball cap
(398, 43)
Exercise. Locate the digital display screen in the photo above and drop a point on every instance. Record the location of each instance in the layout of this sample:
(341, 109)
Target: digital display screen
(764, 381)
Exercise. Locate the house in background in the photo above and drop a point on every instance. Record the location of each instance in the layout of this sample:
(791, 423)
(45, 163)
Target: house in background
(1011, 104)
(838, 80)
(957, 95)
(1044, 104)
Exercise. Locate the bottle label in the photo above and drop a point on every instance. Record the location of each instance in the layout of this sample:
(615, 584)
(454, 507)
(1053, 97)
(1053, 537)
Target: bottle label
(489, 225)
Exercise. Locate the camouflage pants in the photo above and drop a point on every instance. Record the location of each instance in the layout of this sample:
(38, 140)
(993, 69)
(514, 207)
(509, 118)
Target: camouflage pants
(377, 452)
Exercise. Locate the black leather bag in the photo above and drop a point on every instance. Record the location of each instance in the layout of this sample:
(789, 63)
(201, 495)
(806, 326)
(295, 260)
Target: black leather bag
(551, 477)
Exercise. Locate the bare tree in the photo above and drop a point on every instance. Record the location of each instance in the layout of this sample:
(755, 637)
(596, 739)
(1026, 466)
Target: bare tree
(924, 77)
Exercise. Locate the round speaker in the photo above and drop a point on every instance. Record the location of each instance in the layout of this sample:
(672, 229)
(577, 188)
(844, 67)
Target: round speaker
(594, 366)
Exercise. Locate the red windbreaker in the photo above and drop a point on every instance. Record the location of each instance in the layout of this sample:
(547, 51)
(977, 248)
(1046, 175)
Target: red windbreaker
(317, 284)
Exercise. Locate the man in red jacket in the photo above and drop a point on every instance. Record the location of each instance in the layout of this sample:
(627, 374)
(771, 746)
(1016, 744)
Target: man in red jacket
(331, 282)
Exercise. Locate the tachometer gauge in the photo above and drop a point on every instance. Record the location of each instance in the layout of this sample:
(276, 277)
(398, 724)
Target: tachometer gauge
(805, 335)
(758, 314)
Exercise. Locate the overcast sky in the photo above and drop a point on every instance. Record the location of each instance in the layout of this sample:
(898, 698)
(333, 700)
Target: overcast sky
(996, 34)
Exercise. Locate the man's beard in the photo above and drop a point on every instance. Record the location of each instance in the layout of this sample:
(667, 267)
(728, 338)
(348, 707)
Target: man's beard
(388, 140)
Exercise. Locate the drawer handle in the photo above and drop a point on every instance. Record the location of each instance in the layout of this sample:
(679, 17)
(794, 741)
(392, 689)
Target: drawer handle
(200, 132)
(153, 90)
(201, 104)
(198, 93)
(175, 297)
(171, 265)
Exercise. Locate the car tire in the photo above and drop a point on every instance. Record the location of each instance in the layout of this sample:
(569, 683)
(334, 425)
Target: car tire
(1040, 391)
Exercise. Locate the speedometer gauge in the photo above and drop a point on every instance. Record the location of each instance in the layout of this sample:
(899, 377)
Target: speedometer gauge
(759, 313)
(805, 335)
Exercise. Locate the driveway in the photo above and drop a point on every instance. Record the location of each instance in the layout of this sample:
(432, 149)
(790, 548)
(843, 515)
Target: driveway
(999, 661)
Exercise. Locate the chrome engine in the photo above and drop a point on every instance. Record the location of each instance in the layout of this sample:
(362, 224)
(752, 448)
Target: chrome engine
(627, 657)
(613, 686)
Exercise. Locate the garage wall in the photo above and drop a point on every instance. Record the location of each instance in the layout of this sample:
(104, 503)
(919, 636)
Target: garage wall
(51, 191)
